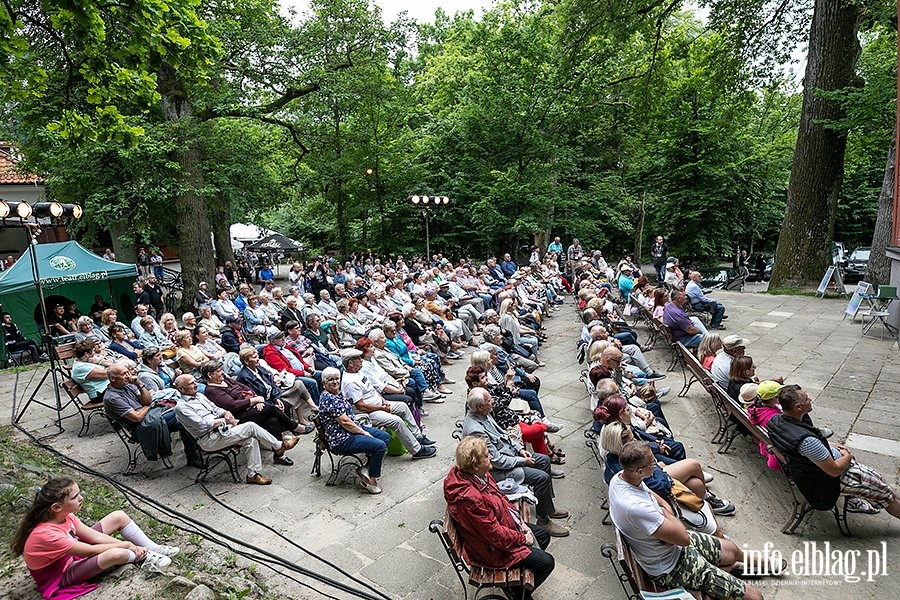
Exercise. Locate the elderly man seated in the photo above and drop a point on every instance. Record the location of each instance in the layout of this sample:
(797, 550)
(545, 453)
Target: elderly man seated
(510, 460)
(699, 301)
(687, 330)
(128, 401)
(360, 391)
(215, 428)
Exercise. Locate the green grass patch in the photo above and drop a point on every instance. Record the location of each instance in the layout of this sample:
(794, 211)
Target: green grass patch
(799, 291)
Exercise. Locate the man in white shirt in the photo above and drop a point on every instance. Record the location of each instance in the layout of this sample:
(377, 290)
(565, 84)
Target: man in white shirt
(360, 391)
(733, 346)
(140, 311)
(670, 554)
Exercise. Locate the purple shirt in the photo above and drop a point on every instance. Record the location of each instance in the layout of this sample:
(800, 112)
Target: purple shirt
(677, 320)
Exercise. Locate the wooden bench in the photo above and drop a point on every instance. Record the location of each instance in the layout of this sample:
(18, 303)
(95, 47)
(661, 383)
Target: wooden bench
(632, 576)
(86, 410)
(801, 507)
(738, 421)
(345, 461)
(482, 578)
(671, 342)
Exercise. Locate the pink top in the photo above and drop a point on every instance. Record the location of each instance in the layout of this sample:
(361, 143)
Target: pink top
(47, 558)
(658, 312)
(49, 542)
(708, 361)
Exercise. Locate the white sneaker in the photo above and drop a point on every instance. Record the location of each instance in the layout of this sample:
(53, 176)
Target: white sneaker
(168, 550)
(156, 562)
(707, 477)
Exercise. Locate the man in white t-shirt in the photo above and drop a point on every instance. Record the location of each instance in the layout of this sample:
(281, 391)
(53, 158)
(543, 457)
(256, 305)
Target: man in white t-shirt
(733, 346)
(361, 392)
(670, 554)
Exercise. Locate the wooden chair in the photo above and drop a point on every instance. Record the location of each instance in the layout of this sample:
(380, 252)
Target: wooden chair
(345, 461)
(801, 507)
(482, 578)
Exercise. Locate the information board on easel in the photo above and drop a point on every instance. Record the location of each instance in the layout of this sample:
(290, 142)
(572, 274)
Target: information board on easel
(862, 290)
(832, 273)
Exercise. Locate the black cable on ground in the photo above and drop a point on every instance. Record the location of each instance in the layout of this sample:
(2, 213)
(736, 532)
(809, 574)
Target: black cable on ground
(215, 536)
(291, 542)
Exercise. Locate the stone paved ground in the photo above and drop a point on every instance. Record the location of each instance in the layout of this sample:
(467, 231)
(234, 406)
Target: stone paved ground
(385, 540)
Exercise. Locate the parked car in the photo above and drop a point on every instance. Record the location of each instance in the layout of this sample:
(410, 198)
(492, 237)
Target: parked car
(721, 278)
(856, 265)
(766, 260)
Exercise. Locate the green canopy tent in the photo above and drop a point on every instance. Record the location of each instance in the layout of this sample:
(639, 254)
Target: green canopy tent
(68, 272)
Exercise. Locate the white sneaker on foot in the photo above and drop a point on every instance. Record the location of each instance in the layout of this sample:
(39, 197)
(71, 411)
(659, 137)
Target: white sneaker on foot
(155, 562)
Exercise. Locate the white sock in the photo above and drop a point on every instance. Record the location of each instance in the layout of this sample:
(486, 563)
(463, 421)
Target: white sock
(134, 534)
(131, 556)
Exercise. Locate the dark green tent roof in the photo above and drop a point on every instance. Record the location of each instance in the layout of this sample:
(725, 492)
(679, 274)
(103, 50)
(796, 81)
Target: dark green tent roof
(61, 263)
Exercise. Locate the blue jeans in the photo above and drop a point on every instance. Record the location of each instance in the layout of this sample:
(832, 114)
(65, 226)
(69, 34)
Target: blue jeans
(312, 387)
(692, 341)
(531, 397)
(374, 447)
(416, 376)
(716, 309)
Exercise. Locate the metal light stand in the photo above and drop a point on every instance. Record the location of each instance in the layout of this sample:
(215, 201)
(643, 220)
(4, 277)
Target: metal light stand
(422, 201)
(53, 210)
(47, 345)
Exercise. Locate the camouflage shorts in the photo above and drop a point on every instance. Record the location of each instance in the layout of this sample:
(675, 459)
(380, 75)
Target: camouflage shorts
(697, 569)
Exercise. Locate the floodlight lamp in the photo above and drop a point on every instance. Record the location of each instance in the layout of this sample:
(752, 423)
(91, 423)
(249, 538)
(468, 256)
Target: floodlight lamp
(414, 199)
(77, 211)
(23, 210)
(424, 199)
(4, 209)
(56, 209)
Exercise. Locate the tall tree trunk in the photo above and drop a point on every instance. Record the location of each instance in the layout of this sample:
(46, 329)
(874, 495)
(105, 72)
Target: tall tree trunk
(220, 217)
(339, 205)
(878, 271)
(639, 229)
(192, 218)
(804, 247)
(124, 251)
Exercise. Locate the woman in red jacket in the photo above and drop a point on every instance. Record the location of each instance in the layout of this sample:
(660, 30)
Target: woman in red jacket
(493, 533)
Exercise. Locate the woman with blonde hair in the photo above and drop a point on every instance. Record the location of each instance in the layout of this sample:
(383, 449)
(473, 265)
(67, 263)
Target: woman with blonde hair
(168, 326)
(190, 358)
(596, 351)
(709, 347)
